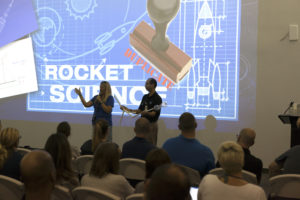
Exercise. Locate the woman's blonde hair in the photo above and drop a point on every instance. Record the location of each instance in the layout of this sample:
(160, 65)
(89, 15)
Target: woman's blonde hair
(9, 139)
(231, 157)
(107, 90)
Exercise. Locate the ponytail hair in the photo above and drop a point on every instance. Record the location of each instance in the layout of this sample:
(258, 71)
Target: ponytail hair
(99, 133)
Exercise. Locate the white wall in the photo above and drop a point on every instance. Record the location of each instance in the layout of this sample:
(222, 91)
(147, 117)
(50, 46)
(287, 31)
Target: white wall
(278, 75)
(278, 78)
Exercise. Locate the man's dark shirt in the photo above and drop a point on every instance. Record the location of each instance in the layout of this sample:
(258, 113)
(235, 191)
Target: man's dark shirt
(137, 148)
(150, 102)
(251, 164)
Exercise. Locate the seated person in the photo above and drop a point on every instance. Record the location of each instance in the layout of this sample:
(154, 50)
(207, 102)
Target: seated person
(154, 159)
(100, 134)
(9, 157)
(104, 172)
(65, 128)
(168, 182)
(58, 147)
(231, 185)
(139, 146)
(289, 161)
(38, 175)
(252, 164)
(186, 150)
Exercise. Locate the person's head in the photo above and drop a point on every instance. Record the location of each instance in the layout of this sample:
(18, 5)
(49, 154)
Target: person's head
(106, 160)
(231, 157)
(246, 137)
(187, 122)
(105, 89)
(154, 159)
(58, 147)
(150, 84)
(100, 132)
(168, 182)
(64, 128)
(37, 171)
(9, 138)
(142, 127)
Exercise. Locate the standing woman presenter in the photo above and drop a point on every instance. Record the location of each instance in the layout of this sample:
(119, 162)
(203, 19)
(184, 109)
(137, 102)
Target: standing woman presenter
(103, 104)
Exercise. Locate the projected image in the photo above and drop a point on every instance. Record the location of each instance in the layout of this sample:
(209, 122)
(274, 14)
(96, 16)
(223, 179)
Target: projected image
(81, 42)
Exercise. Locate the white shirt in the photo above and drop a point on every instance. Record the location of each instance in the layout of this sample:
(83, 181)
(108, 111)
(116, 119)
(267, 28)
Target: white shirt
(112, 183)
(211, 188)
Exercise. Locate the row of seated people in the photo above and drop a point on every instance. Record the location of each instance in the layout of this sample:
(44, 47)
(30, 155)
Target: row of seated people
(182, 149)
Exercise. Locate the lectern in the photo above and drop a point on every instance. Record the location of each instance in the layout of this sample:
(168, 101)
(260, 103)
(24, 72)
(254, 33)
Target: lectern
(295, 132)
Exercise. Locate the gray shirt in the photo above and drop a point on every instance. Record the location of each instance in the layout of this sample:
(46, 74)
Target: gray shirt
(112, 183)
(290, 160)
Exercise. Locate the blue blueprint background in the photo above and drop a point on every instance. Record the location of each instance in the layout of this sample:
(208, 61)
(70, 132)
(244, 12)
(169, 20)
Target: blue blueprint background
(96, 32)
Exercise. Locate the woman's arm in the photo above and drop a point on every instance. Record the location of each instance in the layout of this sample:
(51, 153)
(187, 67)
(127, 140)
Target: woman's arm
(85, 104)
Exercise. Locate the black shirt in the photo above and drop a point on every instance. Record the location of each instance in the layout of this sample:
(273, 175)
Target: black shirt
(251, 164)
(137, 148)
(150, 102)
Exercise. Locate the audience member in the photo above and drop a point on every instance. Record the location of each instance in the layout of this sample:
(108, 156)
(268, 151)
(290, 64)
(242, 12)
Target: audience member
(231, 185)
(100, 134)
(9, 157)
(139, 146)
(0, 126)
(38, 175)
(65, 128)
(289, 161)
(252, 164)
(154, 159)
(104, 172)
(59, 148)
(168, 182)
(188, 151)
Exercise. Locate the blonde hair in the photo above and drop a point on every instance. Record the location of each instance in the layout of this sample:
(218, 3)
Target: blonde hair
(9, 139)
(107, 90)
(231, 157)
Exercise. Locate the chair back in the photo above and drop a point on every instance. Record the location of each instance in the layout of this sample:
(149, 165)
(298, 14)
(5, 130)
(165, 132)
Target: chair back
(247, 176)
(88, 193)
(138, 196)
(286, 185)
(10, 188)
(193, 175)
(60, 193)
(83, 164)
(132, 168)
(23, 151)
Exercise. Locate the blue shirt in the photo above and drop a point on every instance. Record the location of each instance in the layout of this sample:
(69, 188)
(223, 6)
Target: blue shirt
(137, 148)
(99, 113)
(191, 153)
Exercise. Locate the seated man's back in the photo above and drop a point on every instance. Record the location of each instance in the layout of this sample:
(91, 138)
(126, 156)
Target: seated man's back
(191, 153)
(138, 147)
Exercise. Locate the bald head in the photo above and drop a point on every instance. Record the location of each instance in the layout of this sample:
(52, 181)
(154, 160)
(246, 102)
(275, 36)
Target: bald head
(246, 137)
(37, 170)
(142, 126)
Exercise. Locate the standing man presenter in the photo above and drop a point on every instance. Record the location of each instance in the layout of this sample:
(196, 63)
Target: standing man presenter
(149, 108)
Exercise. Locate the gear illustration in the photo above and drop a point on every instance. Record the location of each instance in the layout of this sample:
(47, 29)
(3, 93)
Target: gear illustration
(81, 9)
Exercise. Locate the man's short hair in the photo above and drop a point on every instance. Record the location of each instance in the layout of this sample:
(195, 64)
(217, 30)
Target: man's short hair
(153, 82)
(37, 170)
(231, 157)
(187, 122)
(247, 136)
(168, 182)
(142, 126)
